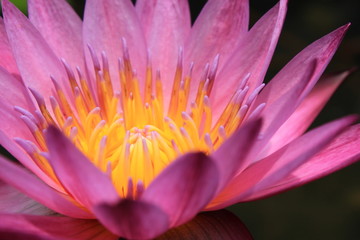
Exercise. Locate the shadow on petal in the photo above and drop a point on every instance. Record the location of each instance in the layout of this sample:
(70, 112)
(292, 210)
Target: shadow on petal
(210, 225)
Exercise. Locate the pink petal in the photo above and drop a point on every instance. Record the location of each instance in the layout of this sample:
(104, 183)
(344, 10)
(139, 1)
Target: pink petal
(210, 225)
(37, 190)
(341, 152)
(304, 115)
(267, 172)
(184, 187)
(46, 227)
(105, 24)
(232, 155)
(7, 60)
(293, 74)
(78, 175)
(13, 93)
(166, 25)
(25, 160)
(133, 219)
(61, 27)
(277, 112)
(218, 28)
(13, 201)
(252, 55)
(34, 58)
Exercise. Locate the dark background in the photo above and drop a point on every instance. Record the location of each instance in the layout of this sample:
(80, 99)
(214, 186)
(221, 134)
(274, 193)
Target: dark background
(328, 208)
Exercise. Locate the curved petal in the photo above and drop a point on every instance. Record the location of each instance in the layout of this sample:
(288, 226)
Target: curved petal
(13, 201)
(292, 74)
(252, 55)
(105, 24)
(37, 190)
(277, 112)
(34, 58)
(341, 152)
(304, 115)
(13, 93)
(166, 25)
(210, 225)
(232, 156)
(46, 227)
(61, 27)
(218, 28)
(78, 175)
(25, 160)
(133, 219)
(184, 188)
(7, 60)
(272, 169)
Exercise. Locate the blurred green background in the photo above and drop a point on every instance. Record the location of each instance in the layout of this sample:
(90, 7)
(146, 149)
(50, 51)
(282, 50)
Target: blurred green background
(328, 208)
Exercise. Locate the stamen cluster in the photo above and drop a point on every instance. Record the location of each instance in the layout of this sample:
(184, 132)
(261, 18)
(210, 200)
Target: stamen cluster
(127, 133)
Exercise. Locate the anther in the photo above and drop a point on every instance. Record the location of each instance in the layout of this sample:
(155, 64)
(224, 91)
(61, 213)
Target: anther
(70, 73)
(26, 113)
(29, 147)
(257, 111)
(222, 132)
(254, 94)
(30, 124)
(95, 60)
(73, 133)
(242, 112)
(244, 81)
(208, 142)
(125, 48)
(39, 99)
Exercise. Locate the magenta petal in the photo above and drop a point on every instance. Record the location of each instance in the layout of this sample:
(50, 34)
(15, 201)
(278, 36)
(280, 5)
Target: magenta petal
(184, 188)
(252, 56)
(106, 23)
(34, 58)
(231, 156)
(292, 74)
(37, 190)
(218, 28)
(7, 60)
(278, 111)
(13, 93)
(132, 219)
(166, 25)
(78, 175)
(210, 225)
(46, 227)
(304, 115)
(25, 160)
(341, 152)
(13, 201)
(56, 20)
(267, 172)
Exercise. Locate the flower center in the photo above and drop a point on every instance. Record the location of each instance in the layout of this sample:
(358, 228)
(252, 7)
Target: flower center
(127, 133)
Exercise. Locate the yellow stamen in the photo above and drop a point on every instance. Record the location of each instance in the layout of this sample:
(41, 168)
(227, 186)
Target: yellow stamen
(125, 132)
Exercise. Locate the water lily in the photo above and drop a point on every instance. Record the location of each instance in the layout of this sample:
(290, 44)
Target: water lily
(133, 121)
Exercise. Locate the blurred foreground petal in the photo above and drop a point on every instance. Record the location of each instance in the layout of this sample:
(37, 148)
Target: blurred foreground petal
(216, 225)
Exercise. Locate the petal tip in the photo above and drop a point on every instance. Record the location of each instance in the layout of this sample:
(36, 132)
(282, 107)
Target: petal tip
(9, 8)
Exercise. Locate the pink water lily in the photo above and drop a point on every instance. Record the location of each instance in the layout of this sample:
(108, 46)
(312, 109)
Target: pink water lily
(133, 121)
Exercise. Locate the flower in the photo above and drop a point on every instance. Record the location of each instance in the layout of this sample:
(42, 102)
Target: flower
(139, 121)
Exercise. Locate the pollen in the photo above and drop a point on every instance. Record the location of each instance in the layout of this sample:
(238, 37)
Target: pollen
(127, 133)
